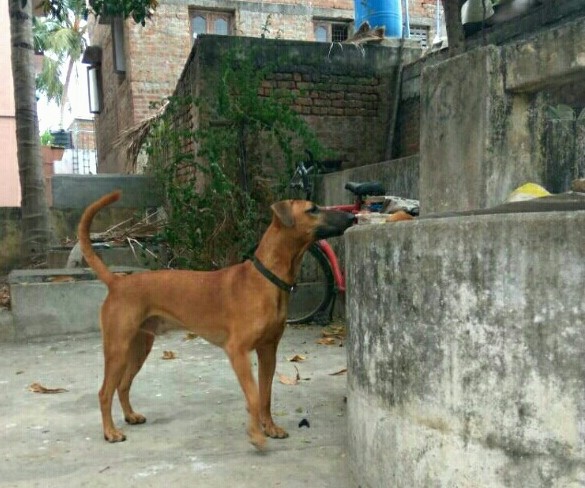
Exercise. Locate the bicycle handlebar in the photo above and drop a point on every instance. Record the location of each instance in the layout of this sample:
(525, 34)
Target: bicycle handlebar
(304, 184)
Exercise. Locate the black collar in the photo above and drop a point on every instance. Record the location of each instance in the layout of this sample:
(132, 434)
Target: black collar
(270, 276)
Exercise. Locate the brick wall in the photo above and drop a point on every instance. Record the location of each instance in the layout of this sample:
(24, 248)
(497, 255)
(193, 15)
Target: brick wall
(345, 95)
(156, 55)
(327, 94)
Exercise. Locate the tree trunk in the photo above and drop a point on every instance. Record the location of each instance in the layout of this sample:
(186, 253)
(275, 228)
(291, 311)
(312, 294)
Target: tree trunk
(65, 97)
(35, 213)
(455, 35)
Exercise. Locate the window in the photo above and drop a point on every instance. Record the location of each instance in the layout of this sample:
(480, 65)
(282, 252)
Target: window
(420, 33)
(321, 33)
(327, 31)
(338, 32)
(118, 45)
(210, 22)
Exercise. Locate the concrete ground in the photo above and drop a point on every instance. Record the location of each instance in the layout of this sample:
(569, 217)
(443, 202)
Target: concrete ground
(195, 429)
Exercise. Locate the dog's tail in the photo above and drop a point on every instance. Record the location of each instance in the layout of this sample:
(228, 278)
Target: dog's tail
(89, 254)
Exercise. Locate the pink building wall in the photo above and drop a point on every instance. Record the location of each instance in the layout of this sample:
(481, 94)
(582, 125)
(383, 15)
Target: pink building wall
(9, 183)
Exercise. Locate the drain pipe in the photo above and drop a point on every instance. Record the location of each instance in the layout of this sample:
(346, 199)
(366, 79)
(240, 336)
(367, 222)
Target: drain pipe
(406, 17)
(393, 122)
(389, 152)
(438, 37)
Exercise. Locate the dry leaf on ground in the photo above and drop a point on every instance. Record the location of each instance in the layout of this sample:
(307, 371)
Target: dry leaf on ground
(337, 373)
(297, 358)
(190, 336)
(169, 355)
(287, 380)
(326, 341)
(38, 388)
(336, 331)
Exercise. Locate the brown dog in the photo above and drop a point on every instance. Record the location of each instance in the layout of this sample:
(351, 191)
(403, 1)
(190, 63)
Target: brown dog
(240, 308)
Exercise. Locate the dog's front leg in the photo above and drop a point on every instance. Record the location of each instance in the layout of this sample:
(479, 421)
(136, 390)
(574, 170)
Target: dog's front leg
(266, 367)
(240, 361)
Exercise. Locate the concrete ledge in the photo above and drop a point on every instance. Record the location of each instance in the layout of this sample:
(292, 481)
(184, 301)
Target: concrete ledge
(78, 191)
(7, 330)
(56, 301)
(399, 176)
(551, 58)
(465, 351)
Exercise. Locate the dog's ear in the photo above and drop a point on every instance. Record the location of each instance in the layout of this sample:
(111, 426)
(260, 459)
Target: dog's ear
(283, 210)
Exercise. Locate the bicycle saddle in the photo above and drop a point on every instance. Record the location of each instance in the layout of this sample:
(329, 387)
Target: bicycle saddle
(372, 188)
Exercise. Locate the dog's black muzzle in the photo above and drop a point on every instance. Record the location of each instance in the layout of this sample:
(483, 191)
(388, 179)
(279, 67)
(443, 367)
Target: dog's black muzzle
(334, 224)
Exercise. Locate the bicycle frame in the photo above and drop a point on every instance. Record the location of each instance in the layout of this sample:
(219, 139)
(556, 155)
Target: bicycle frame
(338, 274)
(353, 208)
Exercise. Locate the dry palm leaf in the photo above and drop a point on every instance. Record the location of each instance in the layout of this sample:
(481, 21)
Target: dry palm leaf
(38, 388)
(366, 34)
(133, 138)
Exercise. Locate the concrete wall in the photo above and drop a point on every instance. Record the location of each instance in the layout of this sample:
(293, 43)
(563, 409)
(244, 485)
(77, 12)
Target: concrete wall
(472, 130)
(400, 178)
(52, 302)
(565, 153)
(465, 348)
(485, 135)
(465, 352)
(71, 194)
(518, 37)
(78, 191)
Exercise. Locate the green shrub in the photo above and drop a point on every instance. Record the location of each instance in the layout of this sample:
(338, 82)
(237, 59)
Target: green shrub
(220, 180)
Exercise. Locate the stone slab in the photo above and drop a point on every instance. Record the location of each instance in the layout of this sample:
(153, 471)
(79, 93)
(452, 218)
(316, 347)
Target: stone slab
(78, 191)
(53, 302)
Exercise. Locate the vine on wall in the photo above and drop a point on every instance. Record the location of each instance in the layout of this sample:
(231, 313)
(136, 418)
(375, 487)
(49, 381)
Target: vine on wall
(221, 178)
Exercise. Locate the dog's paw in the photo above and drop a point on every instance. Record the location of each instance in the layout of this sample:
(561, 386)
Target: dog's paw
(275, 432)
(135, 418)
(114, 436)
(257, 439)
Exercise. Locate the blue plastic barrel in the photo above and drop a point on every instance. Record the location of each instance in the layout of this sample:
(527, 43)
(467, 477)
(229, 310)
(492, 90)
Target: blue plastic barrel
(378, 13)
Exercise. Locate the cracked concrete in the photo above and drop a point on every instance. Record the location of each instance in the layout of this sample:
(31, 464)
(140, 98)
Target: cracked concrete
(195, 430)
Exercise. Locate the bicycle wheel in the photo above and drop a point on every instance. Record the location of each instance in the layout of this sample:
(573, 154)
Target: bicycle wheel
(315, 288)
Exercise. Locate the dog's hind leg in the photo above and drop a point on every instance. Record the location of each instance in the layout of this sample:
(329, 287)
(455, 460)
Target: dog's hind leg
(240, 360)
(114, 367)
(137, 354)
(266, 367)
(117, 339)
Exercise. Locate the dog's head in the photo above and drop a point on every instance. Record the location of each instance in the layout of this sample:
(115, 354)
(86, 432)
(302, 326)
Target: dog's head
(311, 221)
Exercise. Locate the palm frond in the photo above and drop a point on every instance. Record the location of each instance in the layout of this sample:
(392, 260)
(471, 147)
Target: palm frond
(134, 137)
(48, 80)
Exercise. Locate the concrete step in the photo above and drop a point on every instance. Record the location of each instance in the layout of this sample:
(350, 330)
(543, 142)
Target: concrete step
(51, 302)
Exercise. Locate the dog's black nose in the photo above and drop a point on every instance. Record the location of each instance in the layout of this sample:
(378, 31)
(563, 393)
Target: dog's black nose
(334, 223)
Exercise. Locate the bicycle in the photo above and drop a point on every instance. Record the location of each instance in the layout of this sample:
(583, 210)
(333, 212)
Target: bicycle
(321, 278)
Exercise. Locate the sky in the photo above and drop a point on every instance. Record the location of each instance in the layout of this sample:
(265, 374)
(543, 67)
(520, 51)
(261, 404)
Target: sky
(49, 113)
